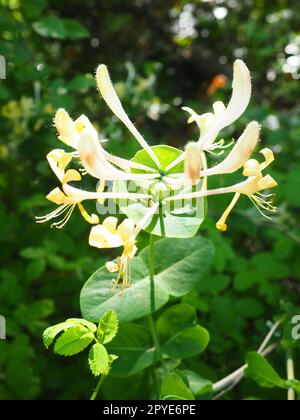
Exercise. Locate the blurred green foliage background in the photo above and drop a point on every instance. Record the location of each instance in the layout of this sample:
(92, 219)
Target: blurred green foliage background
(162, 55)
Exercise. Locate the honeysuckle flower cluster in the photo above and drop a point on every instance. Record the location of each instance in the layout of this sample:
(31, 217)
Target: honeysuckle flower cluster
(160, 186)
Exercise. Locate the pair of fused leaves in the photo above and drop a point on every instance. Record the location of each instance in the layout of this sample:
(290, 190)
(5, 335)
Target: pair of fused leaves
(75, 335)
(178, 221)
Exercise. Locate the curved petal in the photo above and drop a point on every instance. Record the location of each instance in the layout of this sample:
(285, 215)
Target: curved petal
(58, 160)
(239, 154)
(241, 93)
(66, 128)
(111, 98)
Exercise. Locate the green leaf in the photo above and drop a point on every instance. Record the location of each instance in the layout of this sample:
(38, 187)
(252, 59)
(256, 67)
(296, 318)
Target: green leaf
(262, 372)
(293, 383)
(81, 83)
(188, 343)
(33, 8)
(20, 372)
(75, 30)
(175, 319)
(33, 253)
(98, 360)
(180, 220)
(197, 384)
(165, 154)
(108, 327)
(73, 341)
(249, 308)
(51, 332)
(50, 27)
(35, 269)
(180, 266)
(79, 321)
(179, 336)
(53, 27)
(174, 388)
(134, 348)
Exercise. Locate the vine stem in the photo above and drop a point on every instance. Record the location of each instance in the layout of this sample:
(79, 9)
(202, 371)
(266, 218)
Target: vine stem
(290, 373)
(95, 393)
(152, 299)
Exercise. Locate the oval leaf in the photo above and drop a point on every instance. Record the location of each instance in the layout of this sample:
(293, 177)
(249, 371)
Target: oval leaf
(174, 388)
(98, 359)
(262, 372)
(108, 327)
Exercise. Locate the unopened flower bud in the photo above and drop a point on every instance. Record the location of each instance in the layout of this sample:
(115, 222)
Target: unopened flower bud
(192, 163)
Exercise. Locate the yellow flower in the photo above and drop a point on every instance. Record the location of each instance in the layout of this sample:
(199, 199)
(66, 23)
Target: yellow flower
(212, 123)
(252, 187)
(255, 183)
(66, 203)
(69, 197)
(69, 131)
(109, 235)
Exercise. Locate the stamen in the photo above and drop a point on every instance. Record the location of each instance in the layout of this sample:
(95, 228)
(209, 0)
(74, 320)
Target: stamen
(55, 213)
(64, 221)
(215, 153)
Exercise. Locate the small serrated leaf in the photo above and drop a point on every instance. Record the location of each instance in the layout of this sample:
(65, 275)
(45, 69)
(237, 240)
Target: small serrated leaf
(73, 341)
(50, 333)
(79, 321)
(99, 360)
(108, 327)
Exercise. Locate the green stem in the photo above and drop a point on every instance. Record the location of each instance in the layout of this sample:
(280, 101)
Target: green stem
(95, 393)
(152, 299)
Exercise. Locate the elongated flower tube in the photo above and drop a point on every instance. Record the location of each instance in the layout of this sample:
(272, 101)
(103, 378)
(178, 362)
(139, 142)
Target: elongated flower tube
(70, 132)
(94, 161)
(110, 96)
(192, 163)
(240, 153)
